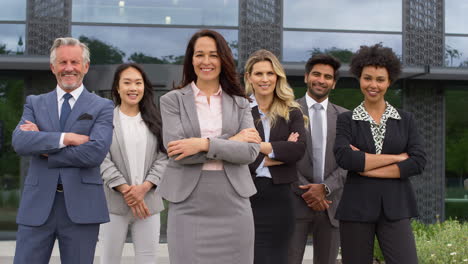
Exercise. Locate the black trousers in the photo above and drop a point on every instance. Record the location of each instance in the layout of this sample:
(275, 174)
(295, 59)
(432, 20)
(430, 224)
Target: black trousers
(395, 238)
(274, 221)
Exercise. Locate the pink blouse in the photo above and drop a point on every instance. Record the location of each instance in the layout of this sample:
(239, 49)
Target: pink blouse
(210, 118)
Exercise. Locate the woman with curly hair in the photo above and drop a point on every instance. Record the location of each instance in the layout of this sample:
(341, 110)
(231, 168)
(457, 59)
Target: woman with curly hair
(280, 123)
(381, 148)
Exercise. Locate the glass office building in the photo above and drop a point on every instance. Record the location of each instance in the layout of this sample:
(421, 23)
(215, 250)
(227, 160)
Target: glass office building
(155, 33)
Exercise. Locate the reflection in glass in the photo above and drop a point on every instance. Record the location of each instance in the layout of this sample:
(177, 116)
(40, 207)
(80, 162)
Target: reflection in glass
(381, 15)
(298, 46)
(176, 12)
(456, 20)
(456, 52)
(12, 40)
(13, 10)
(11, 96)
(165, 44)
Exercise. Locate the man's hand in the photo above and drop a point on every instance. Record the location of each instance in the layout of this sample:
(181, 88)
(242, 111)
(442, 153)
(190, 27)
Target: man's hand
(73, 139)
(187, 147)
(315, 196)
(29, 126)
(249, 135)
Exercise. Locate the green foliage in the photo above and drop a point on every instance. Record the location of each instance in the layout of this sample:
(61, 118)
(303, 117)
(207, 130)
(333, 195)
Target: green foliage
(11, 96)
(441, 243)
(456, 209)
(438, 243)
(3, 49)
(141, 58)
(12, 199)
(456, 162)
(344, 55)
(101, 52)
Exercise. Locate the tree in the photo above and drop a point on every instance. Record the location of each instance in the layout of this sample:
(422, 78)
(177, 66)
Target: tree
(3, 49)
(344, 55)
(103, 53)
(452, 54)
(139, 57)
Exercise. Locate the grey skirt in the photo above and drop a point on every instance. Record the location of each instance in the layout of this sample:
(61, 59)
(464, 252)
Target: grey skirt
(213, 225)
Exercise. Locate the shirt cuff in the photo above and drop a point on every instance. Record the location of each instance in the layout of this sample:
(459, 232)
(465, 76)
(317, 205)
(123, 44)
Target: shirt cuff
(62, 136)
(271, 155)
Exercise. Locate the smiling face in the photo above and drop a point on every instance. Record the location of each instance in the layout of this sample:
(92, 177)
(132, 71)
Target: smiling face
(69, 68)
(131, 87)
(374, 82)
(263, 78)
(205, 60)
(320, 81)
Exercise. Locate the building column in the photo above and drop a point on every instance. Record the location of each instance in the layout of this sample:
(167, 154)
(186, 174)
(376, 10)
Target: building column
(423, 45)
(260, 27)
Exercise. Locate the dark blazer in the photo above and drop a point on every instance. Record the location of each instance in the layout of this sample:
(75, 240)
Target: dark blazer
(334, 176)
(285, 151)
(365, 199)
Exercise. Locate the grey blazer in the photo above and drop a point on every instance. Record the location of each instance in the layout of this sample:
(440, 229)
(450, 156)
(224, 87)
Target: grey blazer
(115, 171)
(334, 176)
(180, 120)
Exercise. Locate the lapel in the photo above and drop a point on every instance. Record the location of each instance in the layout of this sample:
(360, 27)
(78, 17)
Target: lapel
(332, 114)
(302, 101)
(80, 106)
(190, 108)
(258, 123)
(366, 129)
(120, 140)
(52, 110)
(150, 151)
(227, 106)
(390, 132)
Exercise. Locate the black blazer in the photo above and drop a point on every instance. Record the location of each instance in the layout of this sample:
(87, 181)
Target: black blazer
(285, 151)
(365, 199)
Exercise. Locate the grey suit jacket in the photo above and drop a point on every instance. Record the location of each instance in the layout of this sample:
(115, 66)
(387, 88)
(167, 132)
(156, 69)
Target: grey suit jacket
(180, 120)
(334, 176)
(115, 171)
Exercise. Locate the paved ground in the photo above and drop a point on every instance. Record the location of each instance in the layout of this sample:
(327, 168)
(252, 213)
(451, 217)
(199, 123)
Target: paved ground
(7, 250)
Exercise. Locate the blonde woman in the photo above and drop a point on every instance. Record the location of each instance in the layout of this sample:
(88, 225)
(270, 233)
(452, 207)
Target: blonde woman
(280, 123)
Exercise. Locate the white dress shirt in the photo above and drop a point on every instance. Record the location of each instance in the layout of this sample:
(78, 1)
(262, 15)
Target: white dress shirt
(60, 93)
(310, 102)
(134, 132)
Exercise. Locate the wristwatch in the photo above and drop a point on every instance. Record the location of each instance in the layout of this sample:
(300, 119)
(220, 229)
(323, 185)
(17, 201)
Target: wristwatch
(327, 190)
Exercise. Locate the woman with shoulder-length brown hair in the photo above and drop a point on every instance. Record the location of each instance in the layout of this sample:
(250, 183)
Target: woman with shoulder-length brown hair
(210, 138)
(280, 122)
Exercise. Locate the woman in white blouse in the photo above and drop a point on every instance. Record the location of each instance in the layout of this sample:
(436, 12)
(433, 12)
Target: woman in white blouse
(133, 169)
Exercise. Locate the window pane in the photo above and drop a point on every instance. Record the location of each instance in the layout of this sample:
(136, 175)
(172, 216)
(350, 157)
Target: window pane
(456, 20)
(456, 52)
(13, 10)
(456, 160)
(10, 35)
(11, 108)
(383, 15)
(298, 46)
(175, 12)
(161, 43)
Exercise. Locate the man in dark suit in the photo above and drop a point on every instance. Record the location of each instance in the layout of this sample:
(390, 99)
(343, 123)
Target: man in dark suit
(67, 133)
(318, 190)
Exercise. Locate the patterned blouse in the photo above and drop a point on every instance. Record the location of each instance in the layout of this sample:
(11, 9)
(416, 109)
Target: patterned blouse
(378, 130)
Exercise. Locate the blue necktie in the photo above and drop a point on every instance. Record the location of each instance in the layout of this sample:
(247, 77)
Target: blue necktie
(66, 109)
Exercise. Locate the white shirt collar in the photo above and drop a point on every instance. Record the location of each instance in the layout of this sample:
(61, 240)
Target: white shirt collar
(75, 93)
(311, 101)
